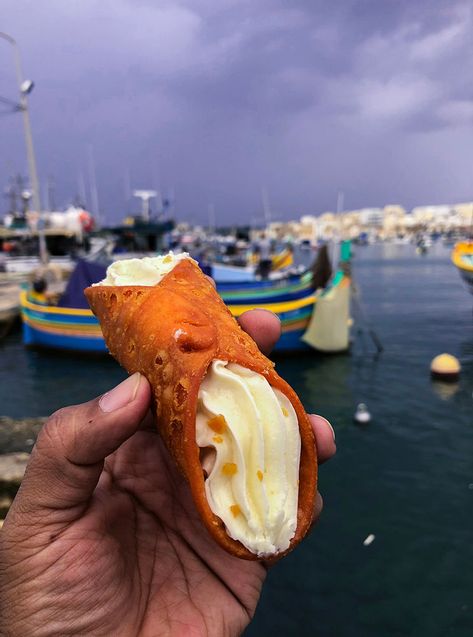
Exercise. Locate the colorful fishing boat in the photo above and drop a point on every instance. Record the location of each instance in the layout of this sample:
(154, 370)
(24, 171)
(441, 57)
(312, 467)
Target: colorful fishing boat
(227, 273)
(289, 288)
(462, 257)
(74, 327)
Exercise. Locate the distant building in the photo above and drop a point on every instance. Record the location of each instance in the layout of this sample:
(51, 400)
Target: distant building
(390, 222)
(371, 217)
(463, 217)
(351, 225)
(434, 218)
(394, 221)
(284, 230)
(309, 229)
(328, 226)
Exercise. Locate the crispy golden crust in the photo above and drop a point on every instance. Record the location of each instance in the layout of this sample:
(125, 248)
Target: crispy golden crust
(171, 333)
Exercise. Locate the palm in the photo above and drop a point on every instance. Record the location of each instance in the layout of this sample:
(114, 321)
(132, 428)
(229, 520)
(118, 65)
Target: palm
(147, 557)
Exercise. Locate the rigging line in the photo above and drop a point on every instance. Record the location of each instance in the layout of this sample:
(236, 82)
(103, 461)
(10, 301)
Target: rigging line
(9, 102)
(367, 323)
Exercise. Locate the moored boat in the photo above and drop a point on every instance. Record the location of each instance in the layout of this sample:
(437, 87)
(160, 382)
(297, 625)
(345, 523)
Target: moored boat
(288, 288)
(72, 326)
(227, 273)
(462, 257)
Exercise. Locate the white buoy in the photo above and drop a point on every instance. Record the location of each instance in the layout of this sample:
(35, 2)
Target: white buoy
(362, 415)
(369, 539)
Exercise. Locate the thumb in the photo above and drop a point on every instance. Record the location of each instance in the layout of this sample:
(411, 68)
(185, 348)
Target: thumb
(68, 457)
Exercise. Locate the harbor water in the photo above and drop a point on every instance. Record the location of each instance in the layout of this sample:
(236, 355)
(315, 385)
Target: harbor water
(406, 478)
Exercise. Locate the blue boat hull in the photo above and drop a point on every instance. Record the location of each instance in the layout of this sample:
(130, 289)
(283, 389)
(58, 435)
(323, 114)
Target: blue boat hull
(288, 342)
(40, 338)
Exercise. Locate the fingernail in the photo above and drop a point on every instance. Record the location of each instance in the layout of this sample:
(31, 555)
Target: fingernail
(327, 422)
(120, 395)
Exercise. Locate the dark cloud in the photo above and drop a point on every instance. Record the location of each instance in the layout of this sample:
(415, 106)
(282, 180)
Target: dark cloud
(213, 100)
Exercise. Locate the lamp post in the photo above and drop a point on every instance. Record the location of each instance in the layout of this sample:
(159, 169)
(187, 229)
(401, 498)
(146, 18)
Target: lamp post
(25, 87)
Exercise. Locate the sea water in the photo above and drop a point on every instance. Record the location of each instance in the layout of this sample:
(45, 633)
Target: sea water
(407, 478)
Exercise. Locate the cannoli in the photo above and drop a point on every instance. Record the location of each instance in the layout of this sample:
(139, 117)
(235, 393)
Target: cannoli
(235, 428)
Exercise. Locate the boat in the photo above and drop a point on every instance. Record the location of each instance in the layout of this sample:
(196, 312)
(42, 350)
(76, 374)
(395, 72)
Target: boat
(64, 234)
(462, 257)
(318, 320)
(226, 272)
(28, 265)
(72, 326)
(423, 243)
(287, 288)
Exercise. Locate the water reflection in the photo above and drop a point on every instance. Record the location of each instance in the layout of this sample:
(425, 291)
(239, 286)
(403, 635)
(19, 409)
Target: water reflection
(322, 382)
(46, 380)
(445, 390)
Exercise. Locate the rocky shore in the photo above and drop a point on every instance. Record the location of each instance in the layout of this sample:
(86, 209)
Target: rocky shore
(17, 438)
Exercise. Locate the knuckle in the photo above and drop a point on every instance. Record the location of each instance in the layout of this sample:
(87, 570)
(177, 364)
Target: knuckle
(52, 435)
(59, 416)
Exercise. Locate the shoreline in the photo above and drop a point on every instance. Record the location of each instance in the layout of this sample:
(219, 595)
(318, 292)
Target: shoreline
(19, 434)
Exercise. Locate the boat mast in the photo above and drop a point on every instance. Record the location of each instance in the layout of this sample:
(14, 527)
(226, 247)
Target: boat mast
(266, 206)
(94, 195)
(82, 190)
(211, 217)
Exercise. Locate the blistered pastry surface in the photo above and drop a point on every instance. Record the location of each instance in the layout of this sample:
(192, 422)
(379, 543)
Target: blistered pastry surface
(171, 333)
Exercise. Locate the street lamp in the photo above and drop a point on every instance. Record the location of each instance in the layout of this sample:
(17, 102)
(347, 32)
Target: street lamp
(25, 87)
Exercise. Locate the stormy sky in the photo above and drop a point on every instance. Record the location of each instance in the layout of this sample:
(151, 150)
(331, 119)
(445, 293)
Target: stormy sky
(210, 101)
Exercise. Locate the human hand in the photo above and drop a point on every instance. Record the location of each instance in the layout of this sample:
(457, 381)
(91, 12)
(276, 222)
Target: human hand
(103, 537)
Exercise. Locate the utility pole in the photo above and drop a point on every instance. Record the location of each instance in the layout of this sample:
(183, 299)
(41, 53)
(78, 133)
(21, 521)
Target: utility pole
(94, 195)
(25, 87)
